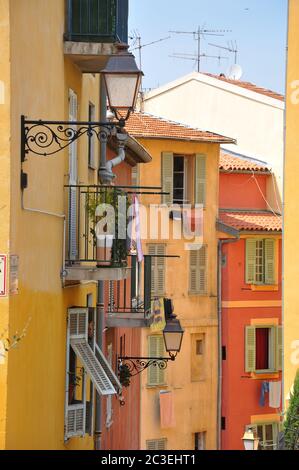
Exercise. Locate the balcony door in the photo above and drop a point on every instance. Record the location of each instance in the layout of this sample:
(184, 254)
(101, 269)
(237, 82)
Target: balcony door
(73, 180)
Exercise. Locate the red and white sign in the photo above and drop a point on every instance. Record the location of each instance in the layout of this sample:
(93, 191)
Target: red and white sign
(3, 275)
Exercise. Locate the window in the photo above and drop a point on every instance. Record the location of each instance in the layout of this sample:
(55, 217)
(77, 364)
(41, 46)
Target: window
(263, 348)
(91, 138)
(260, 261)
(197, 357)
(267, 434)
(200, 440)
(184, 178)
(157, 251)
(156, 348)
(156, 444)
(198, 272)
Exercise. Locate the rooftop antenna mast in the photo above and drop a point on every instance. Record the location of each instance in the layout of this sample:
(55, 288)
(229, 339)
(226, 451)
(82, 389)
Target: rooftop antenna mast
(198, 35)
(232, 47)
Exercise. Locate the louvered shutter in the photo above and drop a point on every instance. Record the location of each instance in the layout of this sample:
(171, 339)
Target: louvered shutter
(107, 366)
(200, 179)
(167, 177)
(198, 271)
(73, 175)
(157, 251)
(75, 421)
(78, 323)
(279, 347)
(250, 260)
(269, 261)
(156, 376)
(250, 350)
(156, 444)
(93, 367)
(135, 175)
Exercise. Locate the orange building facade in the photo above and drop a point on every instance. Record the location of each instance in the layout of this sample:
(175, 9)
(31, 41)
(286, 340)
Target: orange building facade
(250, 304)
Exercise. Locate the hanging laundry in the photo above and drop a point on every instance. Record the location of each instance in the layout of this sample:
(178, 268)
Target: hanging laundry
(167, 414)
(264, 389)
(274, 394)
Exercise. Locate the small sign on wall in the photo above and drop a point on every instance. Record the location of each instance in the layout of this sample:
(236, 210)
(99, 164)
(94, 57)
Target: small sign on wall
(3, 275)
(14, 274)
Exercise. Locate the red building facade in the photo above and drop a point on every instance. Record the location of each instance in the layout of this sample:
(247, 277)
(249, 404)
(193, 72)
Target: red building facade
(250, 305)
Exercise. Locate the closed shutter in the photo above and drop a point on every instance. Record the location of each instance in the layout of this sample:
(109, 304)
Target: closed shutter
(75, 421)
(167, 177)
(73, 175)
(78, 323)
(156, 376)
(198, 271)
(250, 354)
(200, 179)
(269, 261)
(250, 261)
(156, 444)
(157, 251)
(135, 175)
(279, 347)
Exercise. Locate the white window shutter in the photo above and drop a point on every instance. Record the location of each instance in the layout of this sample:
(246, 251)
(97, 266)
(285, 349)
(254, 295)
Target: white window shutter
(200, 179)
(78, 323)
(167, 177)
(75, 421)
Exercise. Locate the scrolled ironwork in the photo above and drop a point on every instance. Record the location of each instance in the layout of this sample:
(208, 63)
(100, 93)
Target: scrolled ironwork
(46, 138)
(137, 365)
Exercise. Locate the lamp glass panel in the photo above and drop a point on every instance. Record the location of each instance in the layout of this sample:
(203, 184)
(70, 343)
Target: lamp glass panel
(121, 90)
(173, 341)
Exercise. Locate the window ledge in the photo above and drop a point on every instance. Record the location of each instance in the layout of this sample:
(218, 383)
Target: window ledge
(264, 287)
(264, 375)
(156, 386)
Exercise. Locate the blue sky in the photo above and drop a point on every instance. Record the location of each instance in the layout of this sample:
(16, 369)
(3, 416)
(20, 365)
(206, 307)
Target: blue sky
(258, 26)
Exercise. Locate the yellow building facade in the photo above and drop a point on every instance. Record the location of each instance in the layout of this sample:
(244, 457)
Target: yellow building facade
(291, 243)
(190, 382)
(38, 75)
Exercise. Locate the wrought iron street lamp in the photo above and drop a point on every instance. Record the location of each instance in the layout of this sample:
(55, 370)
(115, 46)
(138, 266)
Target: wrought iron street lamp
(122, 79)
(173, 336)
(45, 138)
(250, 441)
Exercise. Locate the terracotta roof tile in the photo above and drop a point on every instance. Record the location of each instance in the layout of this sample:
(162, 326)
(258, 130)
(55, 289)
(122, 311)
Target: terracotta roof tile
(146, 125)
(252, 221)
(232, 163)
(249, 86)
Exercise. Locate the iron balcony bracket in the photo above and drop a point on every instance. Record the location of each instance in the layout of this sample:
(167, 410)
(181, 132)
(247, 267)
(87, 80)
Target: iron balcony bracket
(136, 365)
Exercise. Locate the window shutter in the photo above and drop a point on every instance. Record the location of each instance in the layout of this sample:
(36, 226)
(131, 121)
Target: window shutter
(250, 349)
(167, 177)
(75, 421)
(279, 347)
(269, 261)
(198, 271)
(156, 376)
(200, 179)
(250, 260)
(135, 175)
(78, 323)
(156, 444)
(158, 269)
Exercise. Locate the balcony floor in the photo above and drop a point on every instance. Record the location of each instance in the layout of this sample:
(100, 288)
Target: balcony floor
(128, 320)
(90, 57)
(88, 273)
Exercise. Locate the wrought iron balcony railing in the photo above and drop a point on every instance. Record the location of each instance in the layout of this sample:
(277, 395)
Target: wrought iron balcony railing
(97, 21)
(97, 226)
(129, 300)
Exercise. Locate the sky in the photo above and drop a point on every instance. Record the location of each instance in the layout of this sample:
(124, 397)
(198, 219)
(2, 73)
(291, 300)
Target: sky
(258, 26)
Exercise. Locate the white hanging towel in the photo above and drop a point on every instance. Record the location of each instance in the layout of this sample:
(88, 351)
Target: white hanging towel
(274, 394)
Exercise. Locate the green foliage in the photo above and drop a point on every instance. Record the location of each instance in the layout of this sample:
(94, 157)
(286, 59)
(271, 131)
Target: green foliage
(124, 375)
(291, 425)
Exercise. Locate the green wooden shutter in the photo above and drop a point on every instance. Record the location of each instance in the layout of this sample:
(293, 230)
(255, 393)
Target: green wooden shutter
(200, 179)
(156, 376)
(198, 271)
(156, 444)
(167, 177)
(157, 250)
(250, 349)
(250, 260)
(279, 347)
(152, 252)
(269, 261)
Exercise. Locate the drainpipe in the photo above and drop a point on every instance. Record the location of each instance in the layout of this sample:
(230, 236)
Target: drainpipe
(219, 298)
(100, 310)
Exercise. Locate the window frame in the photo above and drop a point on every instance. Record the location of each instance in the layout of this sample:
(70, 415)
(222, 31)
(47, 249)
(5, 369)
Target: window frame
(275, 349)
(275, 432)
(263, 282)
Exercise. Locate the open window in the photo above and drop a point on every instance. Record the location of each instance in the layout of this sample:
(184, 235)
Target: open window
(263, 349)
(86, 367)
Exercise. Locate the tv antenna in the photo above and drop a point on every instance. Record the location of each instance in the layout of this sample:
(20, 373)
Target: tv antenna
(199, 35)
(137, 40)
(232, 47)
(194, 57)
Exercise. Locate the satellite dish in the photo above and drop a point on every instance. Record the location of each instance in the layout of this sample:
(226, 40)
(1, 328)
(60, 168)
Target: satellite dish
(235, 72)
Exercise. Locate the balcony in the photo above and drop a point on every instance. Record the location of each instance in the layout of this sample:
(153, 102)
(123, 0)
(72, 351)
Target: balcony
(129, 304)
(94, 29)
(96, 234)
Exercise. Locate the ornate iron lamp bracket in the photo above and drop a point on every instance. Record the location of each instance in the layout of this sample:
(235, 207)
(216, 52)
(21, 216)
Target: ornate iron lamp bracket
(46, 138)
(136, 365)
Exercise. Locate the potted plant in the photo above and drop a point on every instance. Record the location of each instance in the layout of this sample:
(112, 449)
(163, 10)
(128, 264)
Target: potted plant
(124, 375)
